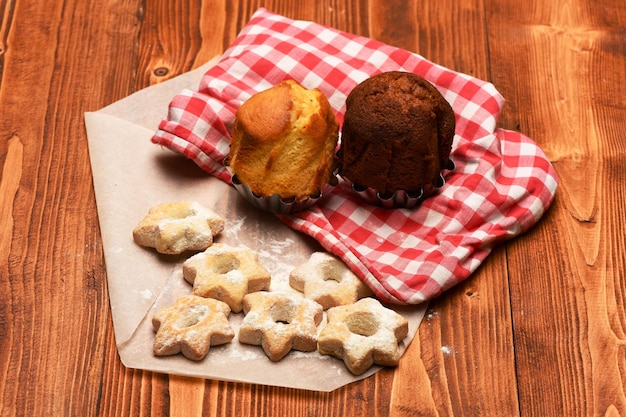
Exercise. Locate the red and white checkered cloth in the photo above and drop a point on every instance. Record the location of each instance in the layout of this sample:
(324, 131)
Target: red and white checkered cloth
(502, 184)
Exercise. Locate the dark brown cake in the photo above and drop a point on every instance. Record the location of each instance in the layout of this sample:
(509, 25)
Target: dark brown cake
(397, 133)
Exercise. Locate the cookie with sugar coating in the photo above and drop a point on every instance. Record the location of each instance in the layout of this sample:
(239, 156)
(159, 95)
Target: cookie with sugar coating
(280, 322)
(327, 280)
(175, 227)
(226, 273)
(191, 326)
(363, 334)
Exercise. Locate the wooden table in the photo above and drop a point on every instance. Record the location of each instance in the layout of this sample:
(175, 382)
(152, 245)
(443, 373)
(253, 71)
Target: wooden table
(539, 329)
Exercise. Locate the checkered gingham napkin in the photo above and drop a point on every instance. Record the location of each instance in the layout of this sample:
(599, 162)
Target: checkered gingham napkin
(501, 186)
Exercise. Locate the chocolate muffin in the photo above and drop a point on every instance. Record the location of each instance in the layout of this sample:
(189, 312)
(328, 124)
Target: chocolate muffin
(397, 134)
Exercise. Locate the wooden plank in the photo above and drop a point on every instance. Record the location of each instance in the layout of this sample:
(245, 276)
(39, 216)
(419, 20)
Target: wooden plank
(176, 37)
(188, 395)
(467, 352)
(560, 68)
(52, 283)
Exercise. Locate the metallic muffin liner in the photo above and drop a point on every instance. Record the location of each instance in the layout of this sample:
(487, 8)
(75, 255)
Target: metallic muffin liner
(400, 198)
(276, 204)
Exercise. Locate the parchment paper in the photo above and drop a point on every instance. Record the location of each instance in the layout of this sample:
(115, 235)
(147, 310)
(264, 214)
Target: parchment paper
(130, 179)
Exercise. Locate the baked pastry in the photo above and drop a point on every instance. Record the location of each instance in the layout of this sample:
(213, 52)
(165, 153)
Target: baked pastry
(226, 273)
(284, 141)
(363, 334)
(173, 228)
(397, 134)
(280, 322)
(191, 326)
(326, 280)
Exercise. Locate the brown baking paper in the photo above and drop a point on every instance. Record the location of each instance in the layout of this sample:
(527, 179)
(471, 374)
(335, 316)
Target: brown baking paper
(131, 175)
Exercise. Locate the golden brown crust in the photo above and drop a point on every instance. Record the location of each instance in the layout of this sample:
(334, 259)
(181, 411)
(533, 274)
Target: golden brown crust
(284, 141)
(265, 115)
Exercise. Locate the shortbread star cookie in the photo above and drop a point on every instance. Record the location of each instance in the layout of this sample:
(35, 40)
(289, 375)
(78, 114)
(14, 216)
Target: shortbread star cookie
(226, 273)
(280, 322)
(363, 334)
(191, 326)
(325, 279)
(173, 228)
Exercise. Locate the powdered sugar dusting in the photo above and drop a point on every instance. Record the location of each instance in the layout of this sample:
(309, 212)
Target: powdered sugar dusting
(280, 250)
(234, 275)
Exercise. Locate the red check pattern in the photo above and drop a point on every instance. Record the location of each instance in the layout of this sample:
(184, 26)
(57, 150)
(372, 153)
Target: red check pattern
(502, 184)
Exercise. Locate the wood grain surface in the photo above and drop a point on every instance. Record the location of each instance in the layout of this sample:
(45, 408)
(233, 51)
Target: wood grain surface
(538, 330)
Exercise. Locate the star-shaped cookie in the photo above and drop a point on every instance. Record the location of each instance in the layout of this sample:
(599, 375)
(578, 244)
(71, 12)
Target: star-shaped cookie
(173, 228)
(325, 279)
(363, 334)
(226, 273)
(191, 326)
(280, 322)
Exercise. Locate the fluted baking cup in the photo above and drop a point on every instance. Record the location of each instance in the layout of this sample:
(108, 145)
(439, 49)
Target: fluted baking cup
(275, 203)
(399, 198)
